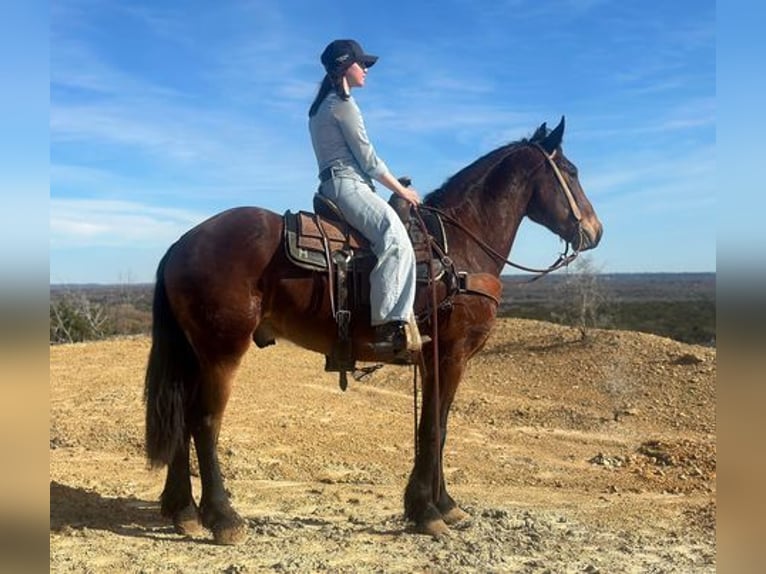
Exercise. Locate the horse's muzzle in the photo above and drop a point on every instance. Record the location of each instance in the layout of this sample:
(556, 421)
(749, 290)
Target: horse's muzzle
(588, 235)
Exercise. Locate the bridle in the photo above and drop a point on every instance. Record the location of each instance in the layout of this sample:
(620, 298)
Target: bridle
(564, 258)
(574, 209)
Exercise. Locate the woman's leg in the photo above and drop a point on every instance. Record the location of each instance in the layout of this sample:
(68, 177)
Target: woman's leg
(392, 281)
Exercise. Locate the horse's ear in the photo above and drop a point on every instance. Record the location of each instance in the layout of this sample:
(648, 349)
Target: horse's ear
(540, 133)
(553, 139)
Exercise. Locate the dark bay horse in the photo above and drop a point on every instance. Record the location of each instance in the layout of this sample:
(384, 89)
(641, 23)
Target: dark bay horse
(227, 283)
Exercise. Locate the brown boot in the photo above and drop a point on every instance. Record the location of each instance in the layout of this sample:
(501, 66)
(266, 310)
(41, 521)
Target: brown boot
(398, 342)
(415, 340)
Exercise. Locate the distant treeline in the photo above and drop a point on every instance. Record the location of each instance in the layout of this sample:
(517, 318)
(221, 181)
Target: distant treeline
(679, 306)
(687, 321)
(91, 312)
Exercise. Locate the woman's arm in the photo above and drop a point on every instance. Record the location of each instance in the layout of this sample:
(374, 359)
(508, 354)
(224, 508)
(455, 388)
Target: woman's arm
(354, 132)
(408, 193)
(350, 119)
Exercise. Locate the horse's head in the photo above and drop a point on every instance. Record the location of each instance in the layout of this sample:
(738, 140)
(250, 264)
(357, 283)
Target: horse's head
(558, 201)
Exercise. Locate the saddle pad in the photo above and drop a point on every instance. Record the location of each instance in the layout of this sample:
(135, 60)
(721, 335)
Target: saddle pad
(309, 237)
(314, 231)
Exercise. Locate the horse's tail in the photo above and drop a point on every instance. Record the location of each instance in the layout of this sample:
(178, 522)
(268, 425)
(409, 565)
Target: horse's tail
(170, 373)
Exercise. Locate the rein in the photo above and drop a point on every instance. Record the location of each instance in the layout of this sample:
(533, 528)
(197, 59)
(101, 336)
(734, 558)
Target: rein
(563, 260)
(435, 381)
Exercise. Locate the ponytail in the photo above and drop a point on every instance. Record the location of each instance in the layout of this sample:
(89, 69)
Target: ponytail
(328, 83)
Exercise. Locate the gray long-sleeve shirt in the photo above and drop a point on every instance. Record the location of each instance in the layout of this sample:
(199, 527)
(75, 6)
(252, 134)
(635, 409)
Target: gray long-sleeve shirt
(340, 139)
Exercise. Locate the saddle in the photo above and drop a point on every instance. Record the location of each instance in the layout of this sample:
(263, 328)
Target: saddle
(324, 242)
(312, 239)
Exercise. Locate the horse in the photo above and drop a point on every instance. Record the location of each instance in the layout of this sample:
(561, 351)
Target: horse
(227, 282)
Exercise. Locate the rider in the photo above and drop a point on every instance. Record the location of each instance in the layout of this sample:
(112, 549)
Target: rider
(347, 166)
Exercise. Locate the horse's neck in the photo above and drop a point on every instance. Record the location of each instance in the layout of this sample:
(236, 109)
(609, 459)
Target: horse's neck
(492, 213)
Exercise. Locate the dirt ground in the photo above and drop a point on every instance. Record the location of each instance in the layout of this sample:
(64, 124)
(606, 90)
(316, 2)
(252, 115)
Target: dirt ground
(571, 456)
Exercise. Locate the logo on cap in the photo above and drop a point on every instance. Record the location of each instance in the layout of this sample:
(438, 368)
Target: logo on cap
(340, 54)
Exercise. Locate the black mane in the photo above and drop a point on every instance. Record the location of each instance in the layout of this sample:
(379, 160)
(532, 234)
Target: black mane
(455, 189)
(472, 176)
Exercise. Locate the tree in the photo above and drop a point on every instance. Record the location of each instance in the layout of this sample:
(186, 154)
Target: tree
(74, 318)
(583, 297)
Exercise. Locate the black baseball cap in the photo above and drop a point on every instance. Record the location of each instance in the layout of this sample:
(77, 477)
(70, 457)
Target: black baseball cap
(340, 54)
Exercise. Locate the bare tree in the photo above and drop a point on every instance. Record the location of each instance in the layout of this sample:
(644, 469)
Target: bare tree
(583, 296)
(73, 318)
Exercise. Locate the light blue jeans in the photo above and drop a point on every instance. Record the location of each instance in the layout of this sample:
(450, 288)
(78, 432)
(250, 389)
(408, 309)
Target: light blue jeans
(393, 279)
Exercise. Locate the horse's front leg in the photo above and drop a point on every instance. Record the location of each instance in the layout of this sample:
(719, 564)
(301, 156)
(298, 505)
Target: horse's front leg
(451, 512)
(426, 501)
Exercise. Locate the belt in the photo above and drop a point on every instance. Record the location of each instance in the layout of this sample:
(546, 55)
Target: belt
(326, 174)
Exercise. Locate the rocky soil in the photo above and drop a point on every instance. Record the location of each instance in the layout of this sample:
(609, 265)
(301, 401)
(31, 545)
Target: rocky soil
(570, 455)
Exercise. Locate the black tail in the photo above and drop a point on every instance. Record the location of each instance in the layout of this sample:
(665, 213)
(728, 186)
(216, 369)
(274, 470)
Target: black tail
(170, 375)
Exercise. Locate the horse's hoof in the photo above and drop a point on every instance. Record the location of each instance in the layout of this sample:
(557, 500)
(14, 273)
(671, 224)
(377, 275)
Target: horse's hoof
(190, 526)
(187, 521)
(230, 534)
(455, 515)
(437, 528)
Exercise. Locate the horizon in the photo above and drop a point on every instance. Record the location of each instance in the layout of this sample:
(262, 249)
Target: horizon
(162, 116)
(502, 275)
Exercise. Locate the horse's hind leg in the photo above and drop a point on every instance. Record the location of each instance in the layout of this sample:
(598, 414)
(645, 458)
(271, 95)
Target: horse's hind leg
(177, 502)
(216, 511)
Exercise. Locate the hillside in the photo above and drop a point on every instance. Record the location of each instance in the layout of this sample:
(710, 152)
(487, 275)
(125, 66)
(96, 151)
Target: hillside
(571, 457)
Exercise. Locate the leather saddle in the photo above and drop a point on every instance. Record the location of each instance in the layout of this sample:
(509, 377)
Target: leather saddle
(324, 242)
(314, 240)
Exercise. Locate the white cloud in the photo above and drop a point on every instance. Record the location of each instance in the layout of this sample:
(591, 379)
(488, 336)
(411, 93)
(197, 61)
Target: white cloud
(82, 222)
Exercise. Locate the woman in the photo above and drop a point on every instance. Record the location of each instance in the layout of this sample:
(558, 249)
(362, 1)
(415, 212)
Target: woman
(347, 166)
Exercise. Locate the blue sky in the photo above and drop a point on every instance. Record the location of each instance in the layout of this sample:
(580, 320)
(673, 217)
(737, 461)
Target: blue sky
(164, 113)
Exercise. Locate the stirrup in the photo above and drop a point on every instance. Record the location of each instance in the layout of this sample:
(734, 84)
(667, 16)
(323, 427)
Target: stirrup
(385, 353)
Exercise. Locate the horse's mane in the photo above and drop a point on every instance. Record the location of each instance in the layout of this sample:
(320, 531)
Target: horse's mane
(457, 187)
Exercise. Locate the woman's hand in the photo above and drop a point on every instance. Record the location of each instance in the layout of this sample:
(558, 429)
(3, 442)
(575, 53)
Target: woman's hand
(410, 194)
